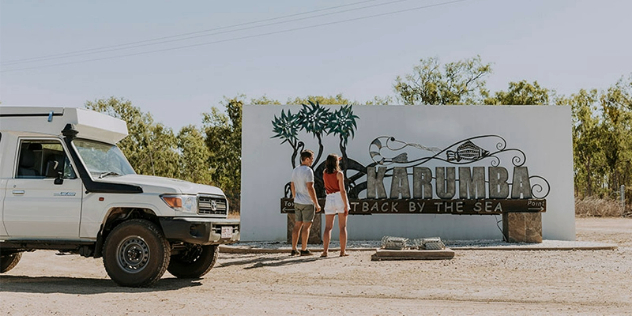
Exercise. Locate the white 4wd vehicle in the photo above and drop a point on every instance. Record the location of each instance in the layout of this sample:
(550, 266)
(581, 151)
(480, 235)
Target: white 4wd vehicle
(64, 185)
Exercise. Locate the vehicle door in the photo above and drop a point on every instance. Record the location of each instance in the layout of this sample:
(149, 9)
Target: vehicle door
(43, 199)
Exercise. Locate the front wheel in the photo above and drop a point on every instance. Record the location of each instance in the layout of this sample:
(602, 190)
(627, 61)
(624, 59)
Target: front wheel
(194, 262)
(9, 261)
(136, 253)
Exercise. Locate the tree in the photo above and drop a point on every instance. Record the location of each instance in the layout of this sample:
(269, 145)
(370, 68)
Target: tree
(150, 148)
(616, 136)
(194, 156)
(377, 100)
(223, 139)
(322, 100)
(602, 139)
(522, 93)
(264, 100)
(587, 151)
(460, 82)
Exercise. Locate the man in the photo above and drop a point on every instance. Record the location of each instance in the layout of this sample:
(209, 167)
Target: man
(305, 201)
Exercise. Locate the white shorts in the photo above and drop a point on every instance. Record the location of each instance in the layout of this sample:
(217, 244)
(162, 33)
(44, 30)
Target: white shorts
(334, 204)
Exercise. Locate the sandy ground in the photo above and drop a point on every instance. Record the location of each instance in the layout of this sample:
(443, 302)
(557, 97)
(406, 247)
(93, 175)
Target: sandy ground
(483, 282)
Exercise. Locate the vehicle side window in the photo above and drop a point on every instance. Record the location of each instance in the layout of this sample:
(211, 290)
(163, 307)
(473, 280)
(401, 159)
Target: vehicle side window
(43, 159)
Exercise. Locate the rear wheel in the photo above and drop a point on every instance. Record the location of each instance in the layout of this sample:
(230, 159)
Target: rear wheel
(136, 253)
(194, 262)
(9, 261)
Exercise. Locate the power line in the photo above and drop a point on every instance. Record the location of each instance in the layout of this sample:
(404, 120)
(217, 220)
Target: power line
(241, 38)
(129, 46)
(160, 40)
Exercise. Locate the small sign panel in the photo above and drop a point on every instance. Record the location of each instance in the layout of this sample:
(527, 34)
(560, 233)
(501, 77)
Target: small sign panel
(227, 232)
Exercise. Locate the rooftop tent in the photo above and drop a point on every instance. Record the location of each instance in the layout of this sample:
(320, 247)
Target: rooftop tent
(52, 120)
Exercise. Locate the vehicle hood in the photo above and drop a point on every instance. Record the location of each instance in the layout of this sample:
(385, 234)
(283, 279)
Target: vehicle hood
(160, 185)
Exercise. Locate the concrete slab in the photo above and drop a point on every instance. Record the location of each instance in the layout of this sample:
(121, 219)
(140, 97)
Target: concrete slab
(385, 254)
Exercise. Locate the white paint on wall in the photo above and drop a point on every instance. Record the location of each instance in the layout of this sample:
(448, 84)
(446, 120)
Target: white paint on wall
(543, 133)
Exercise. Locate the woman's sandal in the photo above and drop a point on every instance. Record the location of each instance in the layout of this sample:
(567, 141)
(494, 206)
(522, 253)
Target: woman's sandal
(344, 254)
(323, 255)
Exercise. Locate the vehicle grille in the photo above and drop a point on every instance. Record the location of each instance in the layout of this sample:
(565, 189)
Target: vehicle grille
(212, 205)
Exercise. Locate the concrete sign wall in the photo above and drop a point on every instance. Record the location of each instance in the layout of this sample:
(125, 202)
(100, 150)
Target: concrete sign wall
(415, 171)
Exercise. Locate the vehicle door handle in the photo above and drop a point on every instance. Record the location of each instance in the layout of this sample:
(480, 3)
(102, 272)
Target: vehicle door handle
(18, 192)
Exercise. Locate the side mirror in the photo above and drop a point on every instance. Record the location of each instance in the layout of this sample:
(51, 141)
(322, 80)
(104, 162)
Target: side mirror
(59, 179)
(52, 172)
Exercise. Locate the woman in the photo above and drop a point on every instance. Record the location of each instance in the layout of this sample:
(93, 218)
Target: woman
(336, 203)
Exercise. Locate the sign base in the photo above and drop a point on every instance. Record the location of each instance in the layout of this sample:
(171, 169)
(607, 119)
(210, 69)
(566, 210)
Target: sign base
(314, 233)
(523, 227)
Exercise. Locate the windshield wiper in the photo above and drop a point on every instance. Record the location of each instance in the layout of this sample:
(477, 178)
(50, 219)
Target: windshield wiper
(109, 173)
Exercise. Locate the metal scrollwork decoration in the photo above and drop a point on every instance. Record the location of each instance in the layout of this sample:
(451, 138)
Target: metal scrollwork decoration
(541, 187)
(383, 151)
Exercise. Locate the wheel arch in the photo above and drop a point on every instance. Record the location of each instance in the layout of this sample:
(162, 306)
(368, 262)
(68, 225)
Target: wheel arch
(118, 215)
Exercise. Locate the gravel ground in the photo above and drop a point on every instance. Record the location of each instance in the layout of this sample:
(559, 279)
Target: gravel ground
(371, 245)
(474, 282)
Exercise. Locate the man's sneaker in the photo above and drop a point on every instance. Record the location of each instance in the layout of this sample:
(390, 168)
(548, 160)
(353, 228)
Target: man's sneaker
(294, 253)
(306, 252)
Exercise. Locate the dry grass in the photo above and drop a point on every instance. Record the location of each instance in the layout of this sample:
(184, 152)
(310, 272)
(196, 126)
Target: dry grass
(594, 207)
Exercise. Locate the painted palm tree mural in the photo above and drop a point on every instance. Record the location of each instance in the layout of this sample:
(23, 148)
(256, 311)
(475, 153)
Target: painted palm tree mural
(313, 118)
(320, 121)
(343, 123)
(285, 128)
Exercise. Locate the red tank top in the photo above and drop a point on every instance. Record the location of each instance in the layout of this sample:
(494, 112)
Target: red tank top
(331, 182)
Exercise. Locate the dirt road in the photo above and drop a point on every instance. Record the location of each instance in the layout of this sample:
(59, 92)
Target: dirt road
(474, 282)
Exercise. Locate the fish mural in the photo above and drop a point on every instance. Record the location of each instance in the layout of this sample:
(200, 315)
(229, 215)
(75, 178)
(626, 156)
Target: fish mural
(467, 151)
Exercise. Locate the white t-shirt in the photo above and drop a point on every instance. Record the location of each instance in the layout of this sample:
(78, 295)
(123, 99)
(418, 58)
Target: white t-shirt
(300, 176)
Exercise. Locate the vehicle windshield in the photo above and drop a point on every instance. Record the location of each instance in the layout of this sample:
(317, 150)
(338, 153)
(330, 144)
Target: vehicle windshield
(101, 159)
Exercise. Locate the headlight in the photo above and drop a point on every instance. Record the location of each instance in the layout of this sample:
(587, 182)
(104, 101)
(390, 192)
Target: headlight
(182, 203)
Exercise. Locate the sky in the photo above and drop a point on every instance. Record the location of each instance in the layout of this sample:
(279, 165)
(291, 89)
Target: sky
(178, 59)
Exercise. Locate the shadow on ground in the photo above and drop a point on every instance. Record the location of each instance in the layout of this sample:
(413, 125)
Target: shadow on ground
(69, 285)
(258, 261)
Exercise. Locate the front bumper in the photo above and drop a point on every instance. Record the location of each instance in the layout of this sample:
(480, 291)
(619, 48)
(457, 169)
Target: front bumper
(200, 231)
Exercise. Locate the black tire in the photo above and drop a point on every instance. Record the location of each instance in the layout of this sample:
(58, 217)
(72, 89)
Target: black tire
(9, 261)
(195, 262)
(136, 253)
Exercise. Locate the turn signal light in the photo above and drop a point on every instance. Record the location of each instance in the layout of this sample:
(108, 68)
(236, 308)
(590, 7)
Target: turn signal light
(174, 202)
